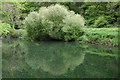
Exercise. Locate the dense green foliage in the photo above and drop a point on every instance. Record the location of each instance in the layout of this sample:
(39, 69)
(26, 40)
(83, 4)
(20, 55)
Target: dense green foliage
(55, 21)
(4, 28)
(101, 22)
(7, 30)
(46, 21)
(90, 10)
(11, 13)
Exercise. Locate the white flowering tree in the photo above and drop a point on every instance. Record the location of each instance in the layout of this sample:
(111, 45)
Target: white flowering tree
(56, 21)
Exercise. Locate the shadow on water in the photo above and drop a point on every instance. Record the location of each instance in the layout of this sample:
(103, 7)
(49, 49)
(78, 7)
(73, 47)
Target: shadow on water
(24, 59)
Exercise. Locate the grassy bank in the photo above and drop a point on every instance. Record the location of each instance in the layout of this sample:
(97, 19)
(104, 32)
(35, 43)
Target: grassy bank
(106, 36)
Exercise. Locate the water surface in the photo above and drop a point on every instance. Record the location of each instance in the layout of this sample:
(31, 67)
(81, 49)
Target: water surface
(25, 59)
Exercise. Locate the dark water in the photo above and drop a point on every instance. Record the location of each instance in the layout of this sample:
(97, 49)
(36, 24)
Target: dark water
(24, 59)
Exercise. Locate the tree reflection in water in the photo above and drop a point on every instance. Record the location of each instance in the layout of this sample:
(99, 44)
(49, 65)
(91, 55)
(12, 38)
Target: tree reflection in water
(26, 59)
(54, 57)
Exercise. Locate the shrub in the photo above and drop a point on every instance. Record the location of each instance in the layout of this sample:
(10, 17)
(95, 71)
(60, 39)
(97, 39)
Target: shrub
(72, 26)
(6, 30)
(101, 22)
(34, 25)
(55, 21)
(20, 33)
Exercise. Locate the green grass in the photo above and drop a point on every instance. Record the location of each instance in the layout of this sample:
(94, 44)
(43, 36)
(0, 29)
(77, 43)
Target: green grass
(100, 35)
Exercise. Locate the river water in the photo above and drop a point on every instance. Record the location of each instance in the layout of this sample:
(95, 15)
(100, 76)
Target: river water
(55, 59)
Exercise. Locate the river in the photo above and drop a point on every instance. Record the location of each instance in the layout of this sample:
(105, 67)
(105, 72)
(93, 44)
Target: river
(56, 59)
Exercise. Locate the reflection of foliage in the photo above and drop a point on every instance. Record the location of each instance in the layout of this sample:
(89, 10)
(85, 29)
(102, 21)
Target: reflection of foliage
(103, 65)
(102, 50)
(12, 56)
(52, 59)
(102, 54)
(55, 58)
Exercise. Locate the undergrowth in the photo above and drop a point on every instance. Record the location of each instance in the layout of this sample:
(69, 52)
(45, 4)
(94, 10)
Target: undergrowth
(108, 36)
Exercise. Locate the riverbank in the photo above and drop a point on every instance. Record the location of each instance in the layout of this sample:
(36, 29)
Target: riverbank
(104, 36)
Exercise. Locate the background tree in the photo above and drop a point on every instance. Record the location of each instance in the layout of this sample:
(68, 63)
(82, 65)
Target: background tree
(11, 13)
(90, 10)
